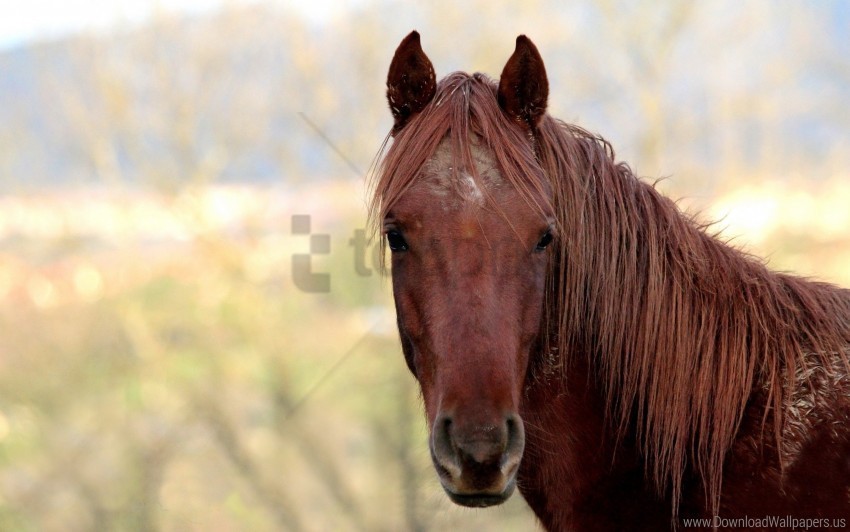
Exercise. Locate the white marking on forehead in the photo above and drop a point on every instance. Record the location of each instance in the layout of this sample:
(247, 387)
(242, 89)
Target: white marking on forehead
(472, 192)
(461, 187)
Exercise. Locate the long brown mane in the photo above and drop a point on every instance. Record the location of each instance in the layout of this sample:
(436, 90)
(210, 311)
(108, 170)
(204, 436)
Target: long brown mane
(682, 330)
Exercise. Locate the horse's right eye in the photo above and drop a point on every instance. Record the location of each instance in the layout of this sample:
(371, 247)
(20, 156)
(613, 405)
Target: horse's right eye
(545, 240)
(396, 241)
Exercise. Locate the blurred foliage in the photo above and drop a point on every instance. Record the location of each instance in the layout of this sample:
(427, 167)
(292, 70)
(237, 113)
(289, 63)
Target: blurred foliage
(158, 367)
(190, 385)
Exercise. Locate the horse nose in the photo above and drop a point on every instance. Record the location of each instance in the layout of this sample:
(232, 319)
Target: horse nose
(475, 454)
(482, 445)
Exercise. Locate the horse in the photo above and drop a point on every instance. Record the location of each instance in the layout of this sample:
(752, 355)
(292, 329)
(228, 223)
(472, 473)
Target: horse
(577, 336)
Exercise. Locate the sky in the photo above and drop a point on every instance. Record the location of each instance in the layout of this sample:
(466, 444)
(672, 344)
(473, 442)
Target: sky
(23, 22)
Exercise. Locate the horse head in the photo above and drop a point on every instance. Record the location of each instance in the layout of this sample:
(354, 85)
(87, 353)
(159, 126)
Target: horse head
(466, 213)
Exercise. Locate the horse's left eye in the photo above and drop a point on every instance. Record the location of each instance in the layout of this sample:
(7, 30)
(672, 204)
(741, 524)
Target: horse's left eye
(545, 240)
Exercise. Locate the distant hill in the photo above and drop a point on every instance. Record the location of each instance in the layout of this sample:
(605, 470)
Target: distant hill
(257, 94)
(204, 98)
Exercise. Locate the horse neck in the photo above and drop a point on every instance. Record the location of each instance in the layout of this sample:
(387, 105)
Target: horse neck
(672, 329)
(678, 327)
(577, 473)
(563, 412)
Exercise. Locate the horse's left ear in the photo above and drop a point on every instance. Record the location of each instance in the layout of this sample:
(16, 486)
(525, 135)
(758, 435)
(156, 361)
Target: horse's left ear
(523, 88)
(411, 82)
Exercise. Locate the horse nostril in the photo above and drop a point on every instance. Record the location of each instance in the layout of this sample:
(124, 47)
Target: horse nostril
(516, 434)
(445, 430)
(515, 444)
(445, 452)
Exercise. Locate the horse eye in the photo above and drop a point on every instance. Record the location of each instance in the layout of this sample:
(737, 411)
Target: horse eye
(396, 241)
(545, 240)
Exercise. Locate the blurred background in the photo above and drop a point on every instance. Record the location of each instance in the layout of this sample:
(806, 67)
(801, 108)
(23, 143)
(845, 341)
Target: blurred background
(166, 360)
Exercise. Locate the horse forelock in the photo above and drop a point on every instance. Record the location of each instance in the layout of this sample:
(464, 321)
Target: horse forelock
(461, 147)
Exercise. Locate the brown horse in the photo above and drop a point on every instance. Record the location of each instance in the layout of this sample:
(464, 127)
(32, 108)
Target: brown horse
(576, 335)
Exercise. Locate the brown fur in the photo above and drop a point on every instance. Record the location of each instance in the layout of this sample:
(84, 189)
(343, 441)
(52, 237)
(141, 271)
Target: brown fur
(672, 371)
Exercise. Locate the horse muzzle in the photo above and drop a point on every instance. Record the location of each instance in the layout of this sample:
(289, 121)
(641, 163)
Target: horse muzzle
(477, 463)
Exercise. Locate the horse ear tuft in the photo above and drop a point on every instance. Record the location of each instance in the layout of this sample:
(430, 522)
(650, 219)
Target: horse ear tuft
(411, 82)
(523, 87)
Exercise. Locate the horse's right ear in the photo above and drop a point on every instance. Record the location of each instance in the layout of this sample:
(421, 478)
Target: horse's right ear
(523, 87)
(411, 82)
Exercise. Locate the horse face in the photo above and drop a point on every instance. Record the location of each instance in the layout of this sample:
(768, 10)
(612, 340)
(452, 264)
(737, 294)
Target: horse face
(469, 263)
